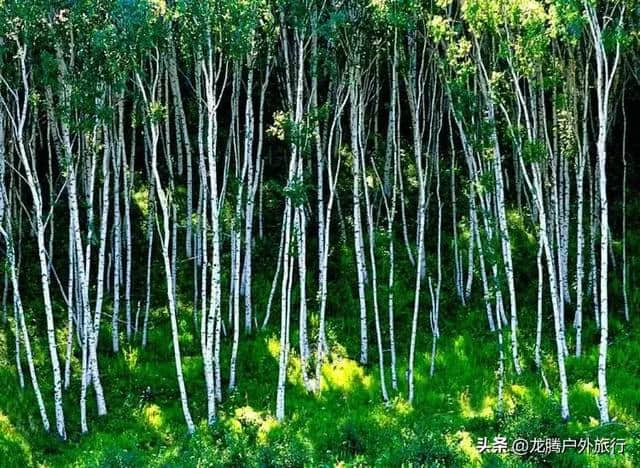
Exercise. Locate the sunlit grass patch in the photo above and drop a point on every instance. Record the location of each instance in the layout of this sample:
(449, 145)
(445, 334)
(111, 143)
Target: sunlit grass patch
(346, 375)
(153, 416)
(484, 410)
(266, 426)
(14, 448)
(467, 444)
(346, 422)
(401, 406)
(273, 346)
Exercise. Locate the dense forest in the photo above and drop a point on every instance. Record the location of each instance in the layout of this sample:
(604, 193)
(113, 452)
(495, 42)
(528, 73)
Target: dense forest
(319, 232)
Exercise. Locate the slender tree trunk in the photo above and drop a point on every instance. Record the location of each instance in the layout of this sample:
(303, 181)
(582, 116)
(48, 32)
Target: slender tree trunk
(165, 237)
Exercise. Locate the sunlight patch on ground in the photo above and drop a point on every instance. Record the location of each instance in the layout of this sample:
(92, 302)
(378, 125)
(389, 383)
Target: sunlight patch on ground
(294, 370)
(265, 428)
(234, 426)
(485, 411)
(465, 441)
(248, 417)
(589, 388)
(401, 406)
(346, 375)
(519, 391)
(13, 447)
(7, 427)
(131, 357)
(273, 346)
(153, 416)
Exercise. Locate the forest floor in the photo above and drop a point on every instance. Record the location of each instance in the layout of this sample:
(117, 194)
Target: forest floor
(345, 424)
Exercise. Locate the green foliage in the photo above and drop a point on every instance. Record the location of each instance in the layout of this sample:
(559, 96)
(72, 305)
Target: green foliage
(533, 151)
(13, 445)
(344, 424)
(82, 55)
(157, 112)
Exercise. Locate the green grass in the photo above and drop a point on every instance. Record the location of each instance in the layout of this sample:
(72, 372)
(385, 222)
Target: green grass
(345, 424)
